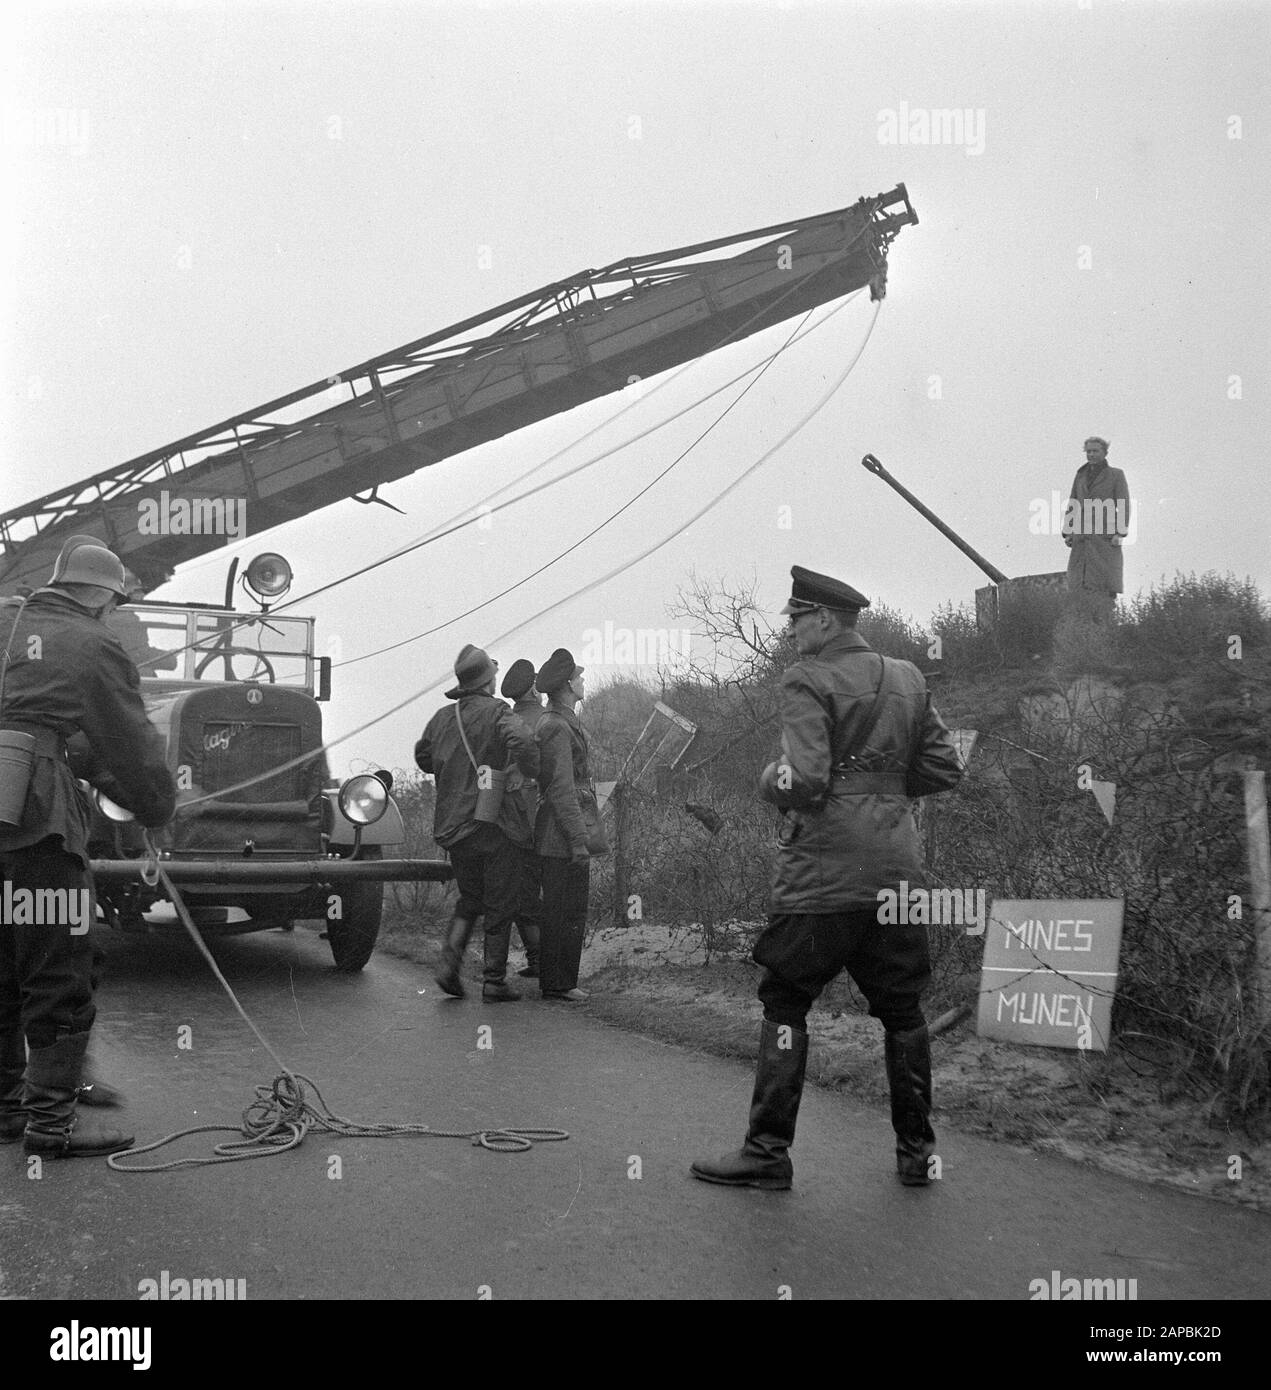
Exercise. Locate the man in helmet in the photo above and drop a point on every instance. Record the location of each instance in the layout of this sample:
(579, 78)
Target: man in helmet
(64, 674)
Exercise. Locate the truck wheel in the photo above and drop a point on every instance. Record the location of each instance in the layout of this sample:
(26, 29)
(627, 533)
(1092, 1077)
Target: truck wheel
(352, 937)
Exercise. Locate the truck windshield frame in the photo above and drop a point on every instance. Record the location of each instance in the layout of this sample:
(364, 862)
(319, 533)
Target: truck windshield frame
(190, 646)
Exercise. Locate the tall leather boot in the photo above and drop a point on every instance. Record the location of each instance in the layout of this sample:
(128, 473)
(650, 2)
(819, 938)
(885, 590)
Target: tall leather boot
(764, 1159)
(909, 1077)
(452, 956)
(12, 1068)
(53, 1076)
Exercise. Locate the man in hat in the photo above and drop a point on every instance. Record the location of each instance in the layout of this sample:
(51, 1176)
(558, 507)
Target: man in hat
(66, 679)
(859, 737)
(1096, 522)
(567, 830)
(463, 746)
(520, 806)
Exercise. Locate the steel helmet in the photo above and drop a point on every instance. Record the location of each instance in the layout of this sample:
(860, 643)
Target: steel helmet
(84, 562)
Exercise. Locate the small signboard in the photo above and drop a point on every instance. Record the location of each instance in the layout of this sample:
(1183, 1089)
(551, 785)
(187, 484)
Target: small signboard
(662, 743)
(1050, 972)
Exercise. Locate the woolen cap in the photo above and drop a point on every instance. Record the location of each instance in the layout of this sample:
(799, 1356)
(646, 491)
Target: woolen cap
(557, 670)
(473, 669)
(518, 680)
(810, 590)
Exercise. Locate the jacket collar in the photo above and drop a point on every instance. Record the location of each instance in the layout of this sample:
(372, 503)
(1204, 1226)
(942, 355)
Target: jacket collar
(565, 711)
(849, 641)
(58, 598)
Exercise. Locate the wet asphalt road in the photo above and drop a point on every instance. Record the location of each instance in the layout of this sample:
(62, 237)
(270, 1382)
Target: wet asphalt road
(438, 1218)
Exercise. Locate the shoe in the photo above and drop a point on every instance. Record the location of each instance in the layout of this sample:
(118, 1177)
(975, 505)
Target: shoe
(456, 943)
(908, 1057)
(573, 996)
(53, 1076)
(498, 994)
(764, 1159)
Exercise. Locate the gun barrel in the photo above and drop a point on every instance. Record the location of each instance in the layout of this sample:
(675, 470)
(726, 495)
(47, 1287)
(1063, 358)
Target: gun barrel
(872, 465)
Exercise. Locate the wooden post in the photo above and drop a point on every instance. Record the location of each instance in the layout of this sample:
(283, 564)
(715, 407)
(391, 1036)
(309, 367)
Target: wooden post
(1260, 883)
(619, 799)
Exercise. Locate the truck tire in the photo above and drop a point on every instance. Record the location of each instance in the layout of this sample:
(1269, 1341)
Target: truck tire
(352, 938)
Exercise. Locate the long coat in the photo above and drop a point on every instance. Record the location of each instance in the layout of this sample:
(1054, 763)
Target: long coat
(520, 795)
(497, 739)
(848, 829)
(70, 683)
(564, 784)
(1098, 519)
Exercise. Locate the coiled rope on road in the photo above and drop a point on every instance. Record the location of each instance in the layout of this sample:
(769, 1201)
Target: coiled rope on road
(282, 1114)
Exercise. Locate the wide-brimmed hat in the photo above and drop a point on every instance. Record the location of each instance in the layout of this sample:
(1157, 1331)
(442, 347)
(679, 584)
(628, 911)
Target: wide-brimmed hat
(559, 669)
(518, 680)
(473, 669)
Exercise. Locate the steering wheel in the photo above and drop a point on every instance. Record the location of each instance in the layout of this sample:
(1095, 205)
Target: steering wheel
(261, 670)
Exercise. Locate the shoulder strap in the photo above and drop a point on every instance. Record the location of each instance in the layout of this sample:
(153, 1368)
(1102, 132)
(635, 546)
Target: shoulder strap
(467, 747)
(871, 720)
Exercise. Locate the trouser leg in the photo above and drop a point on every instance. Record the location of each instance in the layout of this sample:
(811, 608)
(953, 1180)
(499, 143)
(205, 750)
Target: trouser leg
(565, 890)
(800, 955)
(468, 878)
(51, 960)
(550, 933)
(93, 1090)
(12, 1044)
(530, 908)
(892, 969)
(47, 962)
(502, 889)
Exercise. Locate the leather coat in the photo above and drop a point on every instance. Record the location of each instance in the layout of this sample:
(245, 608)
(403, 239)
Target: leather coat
(848, 828)
(560, 829)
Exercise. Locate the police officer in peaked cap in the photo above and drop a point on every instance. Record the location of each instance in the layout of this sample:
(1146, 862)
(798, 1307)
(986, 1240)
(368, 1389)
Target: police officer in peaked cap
(859, 738)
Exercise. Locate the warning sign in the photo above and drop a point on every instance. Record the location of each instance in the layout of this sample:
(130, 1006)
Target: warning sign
(1050, 972)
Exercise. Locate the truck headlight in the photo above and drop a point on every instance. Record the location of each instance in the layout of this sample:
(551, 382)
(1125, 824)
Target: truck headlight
(363, 799)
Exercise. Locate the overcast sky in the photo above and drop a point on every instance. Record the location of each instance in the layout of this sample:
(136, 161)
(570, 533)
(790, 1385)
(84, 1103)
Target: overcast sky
(237, 200)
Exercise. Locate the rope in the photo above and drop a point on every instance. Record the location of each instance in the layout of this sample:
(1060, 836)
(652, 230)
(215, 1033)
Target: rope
(282, 1115)
(438, 680)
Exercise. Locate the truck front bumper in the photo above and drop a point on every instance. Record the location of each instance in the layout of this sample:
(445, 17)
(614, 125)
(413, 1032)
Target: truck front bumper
(257, 872)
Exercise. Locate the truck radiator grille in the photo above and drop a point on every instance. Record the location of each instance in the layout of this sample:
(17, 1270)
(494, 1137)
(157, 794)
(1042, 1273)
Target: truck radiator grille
(233, 752)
